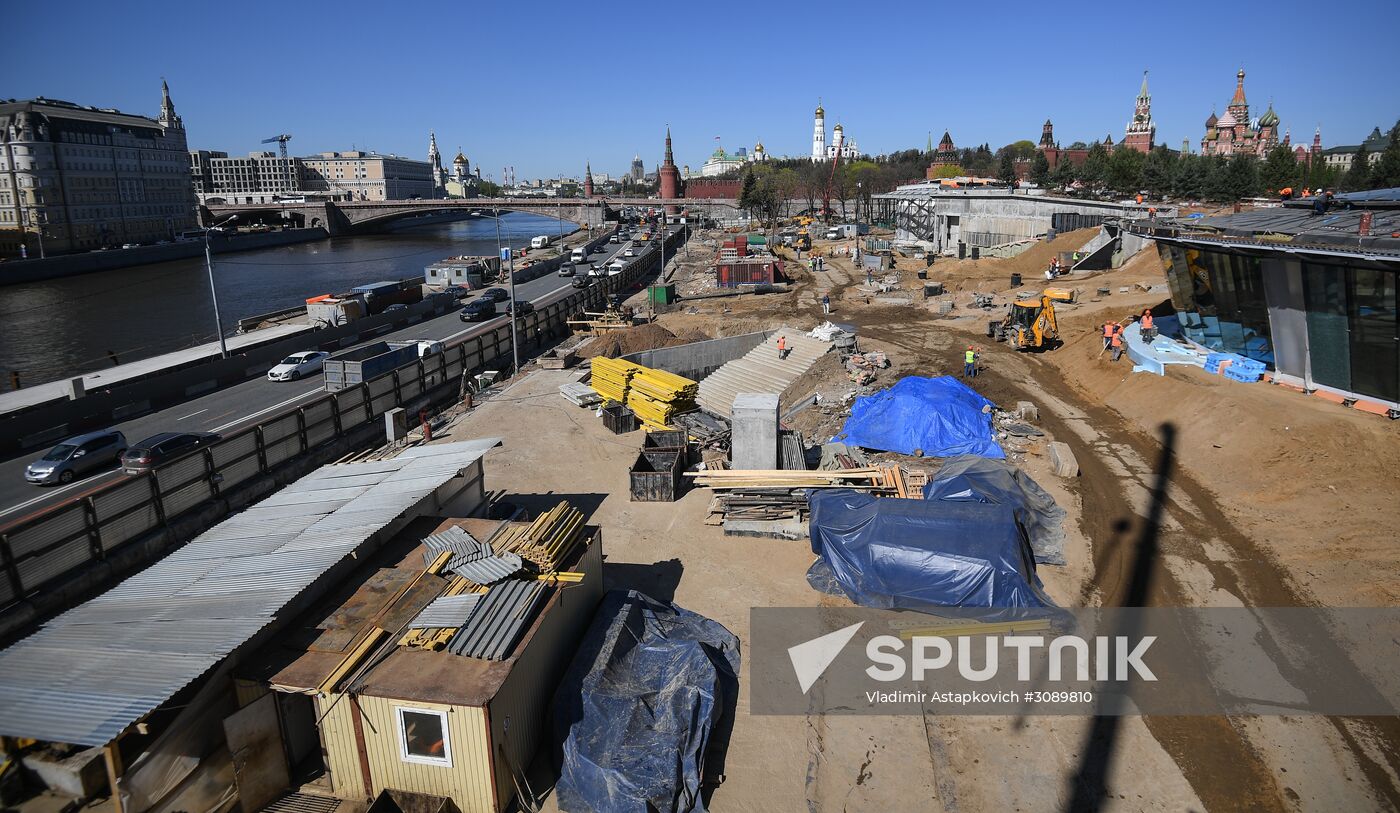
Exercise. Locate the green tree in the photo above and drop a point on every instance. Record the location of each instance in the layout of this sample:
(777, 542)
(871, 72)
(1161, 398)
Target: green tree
(1280, 169)
(1359, 176)
(1214, 184)
(1006, 169)
(1064, 173)
(1125, 170)
(1386, 173)
(1190, 178)
(949, 171)
(1159, 171)
(1240, 178)
(1094, 172)
(1040, 170)
(488, 189)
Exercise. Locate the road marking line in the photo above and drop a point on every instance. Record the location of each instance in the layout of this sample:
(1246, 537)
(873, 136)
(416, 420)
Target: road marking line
(252, 415)
(192, 414)
(52, 492)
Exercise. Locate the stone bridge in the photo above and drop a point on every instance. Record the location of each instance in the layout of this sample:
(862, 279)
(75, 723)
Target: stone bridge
(358, 216)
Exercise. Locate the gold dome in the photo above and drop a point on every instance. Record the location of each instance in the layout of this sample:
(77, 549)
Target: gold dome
(758, 147)
(839, 128)
(820, 111)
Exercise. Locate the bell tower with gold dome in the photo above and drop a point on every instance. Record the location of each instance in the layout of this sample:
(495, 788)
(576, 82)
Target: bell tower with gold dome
(819, 136)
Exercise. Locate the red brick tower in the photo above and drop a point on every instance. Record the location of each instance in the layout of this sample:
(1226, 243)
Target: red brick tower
(1141, 130)
(670, 177)
(588, 180)
(1047, 144)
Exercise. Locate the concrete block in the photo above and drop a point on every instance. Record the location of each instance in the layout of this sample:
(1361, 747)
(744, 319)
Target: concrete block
(76, 388)
(1062, 460)
(754, 430)
(1027, 411)
(395, 424)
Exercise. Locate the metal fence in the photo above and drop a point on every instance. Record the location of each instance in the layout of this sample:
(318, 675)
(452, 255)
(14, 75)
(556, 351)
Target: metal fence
(1069, 221)
(37, 551)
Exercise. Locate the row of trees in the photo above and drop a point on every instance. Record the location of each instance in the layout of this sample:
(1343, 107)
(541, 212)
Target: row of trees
(773, 189)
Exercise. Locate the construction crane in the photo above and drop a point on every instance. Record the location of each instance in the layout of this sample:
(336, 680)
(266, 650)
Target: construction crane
(281, 143)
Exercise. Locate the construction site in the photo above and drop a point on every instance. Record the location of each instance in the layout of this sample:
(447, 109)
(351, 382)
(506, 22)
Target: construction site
(542, 598)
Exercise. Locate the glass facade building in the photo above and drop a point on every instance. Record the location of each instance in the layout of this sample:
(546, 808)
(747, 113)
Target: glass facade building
(1317, 318)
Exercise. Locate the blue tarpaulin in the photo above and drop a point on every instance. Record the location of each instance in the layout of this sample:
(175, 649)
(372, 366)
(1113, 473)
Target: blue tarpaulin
(923, 554)
(637, 708)
(971, 478)
(935, 417)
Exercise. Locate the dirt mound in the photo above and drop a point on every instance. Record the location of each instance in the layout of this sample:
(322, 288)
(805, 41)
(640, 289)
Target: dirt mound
(635, 339)
(994, 273)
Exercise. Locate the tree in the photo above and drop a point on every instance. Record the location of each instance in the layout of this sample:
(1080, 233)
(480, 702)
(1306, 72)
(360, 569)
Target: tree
(1095, 169)
(488, 189)
(759, 195)
(1240, 178)
(1006, 171)
(1040, 169)
(1078, 145)
(1280, 169)
(1190, 181)
(1359, 176)
(1024, 148)
(1125, 170)
(1064, 173)
(949, 171)
(1159, 171)
(1386, 173)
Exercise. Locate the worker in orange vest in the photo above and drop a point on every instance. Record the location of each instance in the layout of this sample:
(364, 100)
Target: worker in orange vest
(1117, 341)
(1139, 198)
(1108, 330)
(1145, 325)
(782, 347)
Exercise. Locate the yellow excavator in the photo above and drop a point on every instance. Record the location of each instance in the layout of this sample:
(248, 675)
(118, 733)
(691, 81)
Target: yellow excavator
(1030, 323)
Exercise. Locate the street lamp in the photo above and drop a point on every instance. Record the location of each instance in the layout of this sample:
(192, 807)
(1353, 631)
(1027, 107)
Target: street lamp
(213, 295)
(514, 309)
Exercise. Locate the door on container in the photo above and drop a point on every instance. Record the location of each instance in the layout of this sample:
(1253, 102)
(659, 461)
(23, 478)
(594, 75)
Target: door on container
(259, 763)
(303, 742)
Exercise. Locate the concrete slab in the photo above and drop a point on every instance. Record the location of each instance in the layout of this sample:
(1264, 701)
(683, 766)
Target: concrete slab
(754, 431)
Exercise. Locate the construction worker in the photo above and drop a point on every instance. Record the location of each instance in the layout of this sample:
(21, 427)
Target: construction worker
(1108, 329)
(1145, 325)
(826, 304)
(1139, 199)
(782, 348)
(1117, 341)
(970, 362)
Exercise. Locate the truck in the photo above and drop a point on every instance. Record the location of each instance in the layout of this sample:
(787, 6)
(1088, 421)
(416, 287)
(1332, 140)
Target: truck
(350, 368)
(380, 295)
(842, 231)
(540, 241)
(579, 255)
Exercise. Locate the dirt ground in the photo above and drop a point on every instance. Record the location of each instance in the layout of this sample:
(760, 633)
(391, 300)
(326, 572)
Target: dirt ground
(1261, 506)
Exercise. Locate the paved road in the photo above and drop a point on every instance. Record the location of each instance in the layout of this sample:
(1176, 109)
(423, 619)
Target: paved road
(238, 406)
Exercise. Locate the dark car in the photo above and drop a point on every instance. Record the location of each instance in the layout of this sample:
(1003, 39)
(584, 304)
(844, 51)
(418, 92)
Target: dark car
(76, 456)
(458, 291)
(580, 281)
(158, 450)
(519, 307)
(478, 310)
(494, 295)
(566, 270)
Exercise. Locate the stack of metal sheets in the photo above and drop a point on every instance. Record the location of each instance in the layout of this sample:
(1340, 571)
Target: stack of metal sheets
(499, 620)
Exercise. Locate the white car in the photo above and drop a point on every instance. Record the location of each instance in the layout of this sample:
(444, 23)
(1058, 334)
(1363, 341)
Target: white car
(428, 347)
(616, 268)
(629, 252)
(298, 365)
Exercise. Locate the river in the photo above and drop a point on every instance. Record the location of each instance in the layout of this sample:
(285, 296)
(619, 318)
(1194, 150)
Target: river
(58, 328)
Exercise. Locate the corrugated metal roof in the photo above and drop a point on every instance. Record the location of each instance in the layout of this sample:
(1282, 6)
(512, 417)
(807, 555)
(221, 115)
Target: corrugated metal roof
(446, 612)
(499, 620)
(88, 674)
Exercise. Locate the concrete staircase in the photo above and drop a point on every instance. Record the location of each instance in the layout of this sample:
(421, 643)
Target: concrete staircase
(760, 370)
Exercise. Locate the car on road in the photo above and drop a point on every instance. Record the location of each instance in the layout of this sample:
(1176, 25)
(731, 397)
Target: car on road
(580, 282)
(478, 310)
(616, 268)
(630, 252)
(597, 270)
(458, 291)
(566, 270)
(298, 365)
(519, 307)
(77, 456)
(160, 449)
(397, 307)
(494, 295)
(614, 239)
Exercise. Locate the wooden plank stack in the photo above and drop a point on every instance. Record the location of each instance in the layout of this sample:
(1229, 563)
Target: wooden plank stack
(782, 494)
(611, 378)
(657, 396)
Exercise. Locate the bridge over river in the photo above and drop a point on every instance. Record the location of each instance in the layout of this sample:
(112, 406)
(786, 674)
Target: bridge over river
(359, 216)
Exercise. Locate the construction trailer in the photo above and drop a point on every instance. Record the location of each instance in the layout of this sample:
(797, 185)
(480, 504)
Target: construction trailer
(429, 713)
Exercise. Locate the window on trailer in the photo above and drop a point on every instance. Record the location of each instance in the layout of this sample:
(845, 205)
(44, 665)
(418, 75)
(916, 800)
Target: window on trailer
(423, 736)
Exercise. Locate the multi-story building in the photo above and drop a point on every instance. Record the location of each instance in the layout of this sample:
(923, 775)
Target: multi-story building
(80, 178)
(367, 176)
(1234, 133)
(1340, 157)
(261, 177)
(638, 168)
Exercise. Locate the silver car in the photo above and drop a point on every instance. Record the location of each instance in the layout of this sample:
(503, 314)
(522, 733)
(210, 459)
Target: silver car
(77, 456)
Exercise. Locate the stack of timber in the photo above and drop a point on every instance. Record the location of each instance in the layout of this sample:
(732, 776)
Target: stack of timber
(657, 397)
(868, 478)
(611, 378)
(781, 495)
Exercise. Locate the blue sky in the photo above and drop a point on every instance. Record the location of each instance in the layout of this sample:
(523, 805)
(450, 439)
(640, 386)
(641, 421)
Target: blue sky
(545, 86)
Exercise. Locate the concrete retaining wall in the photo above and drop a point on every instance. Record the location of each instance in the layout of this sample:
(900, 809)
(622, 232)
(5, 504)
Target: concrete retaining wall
(15, 272)
(699, 359)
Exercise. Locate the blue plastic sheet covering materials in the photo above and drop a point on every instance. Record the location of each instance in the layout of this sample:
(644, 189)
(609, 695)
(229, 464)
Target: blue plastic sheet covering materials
(968, 478)
(636, 711)
(938, 417)
(922, 554)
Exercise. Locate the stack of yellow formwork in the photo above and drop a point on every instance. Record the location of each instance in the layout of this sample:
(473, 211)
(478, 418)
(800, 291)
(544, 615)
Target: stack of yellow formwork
(611, 376)
(657, 396)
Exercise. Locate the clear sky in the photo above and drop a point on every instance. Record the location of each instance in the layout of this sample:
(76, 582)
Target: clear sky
(546, 86)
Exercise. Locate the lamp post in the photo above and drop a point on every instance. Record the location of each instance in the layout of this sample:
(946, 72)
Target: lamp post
(213, 295)
(510, 259)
